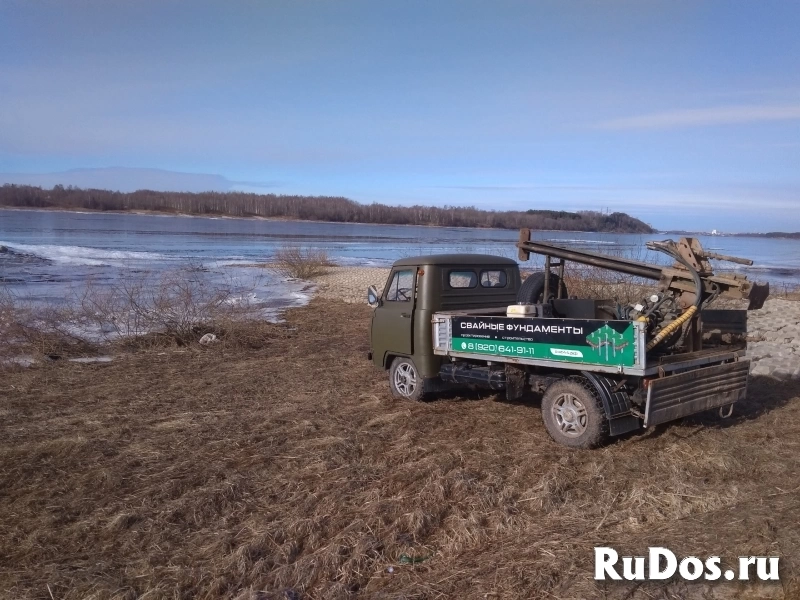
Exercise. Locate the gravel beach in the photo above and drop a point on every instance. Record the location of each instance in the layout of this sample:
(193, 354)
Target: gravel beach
(773, 331)
(774, 339)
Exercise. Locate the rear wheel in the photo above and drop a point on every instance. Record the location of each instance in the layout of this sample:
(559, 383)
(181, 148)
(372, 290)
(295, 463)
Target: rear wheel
(532, 289)
(404, 379)
(573, 413)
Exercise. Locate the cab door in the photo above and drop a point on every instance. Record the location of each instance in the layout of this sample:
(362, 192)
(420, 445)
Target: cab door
(393, 322)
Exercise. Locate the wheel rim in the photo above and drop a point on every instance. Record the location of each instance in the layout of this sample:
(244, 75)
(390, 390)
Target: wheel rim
(570, 415)
(405, 379)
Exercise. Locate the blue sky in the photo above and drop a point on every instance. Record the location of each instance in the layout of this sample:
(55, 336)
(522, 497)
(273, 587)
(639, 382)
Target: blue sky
(685, 114)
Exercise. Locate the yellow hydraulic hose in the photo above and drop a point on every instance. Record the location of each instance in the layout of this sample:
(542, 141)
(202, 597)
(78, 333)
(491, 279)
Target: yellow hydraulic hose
(688, 314)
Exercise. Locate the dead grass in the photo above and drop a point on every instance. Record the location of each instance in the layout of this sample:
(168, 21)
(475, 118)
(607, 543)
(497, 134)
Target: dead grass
(286, 471)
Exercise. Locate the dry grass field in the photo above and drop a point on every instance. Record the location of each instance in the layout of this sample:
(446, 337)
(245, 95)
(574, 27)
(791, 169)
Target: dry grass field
(282, 469)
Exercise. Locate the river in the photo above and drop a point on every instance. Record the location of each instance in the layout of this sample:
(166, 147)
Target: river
(52, 251)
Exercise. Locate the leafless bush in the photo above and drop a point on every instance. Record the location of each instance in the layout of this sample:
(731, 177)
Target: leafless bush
(137, 310)
(590, 282)
(174, 303)
(787, 291)
(178, 306)
(30, 329)
(585, 281)
(299, 262)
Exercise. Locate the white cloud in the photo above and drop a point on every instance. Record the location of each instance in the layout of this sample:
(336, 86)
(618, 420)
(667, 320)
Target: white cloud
(700, 117)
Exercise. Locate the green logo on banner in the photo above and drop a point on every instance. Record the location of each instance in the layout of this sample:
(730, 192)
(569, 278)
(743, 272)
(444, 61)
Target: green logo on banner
(607, 343)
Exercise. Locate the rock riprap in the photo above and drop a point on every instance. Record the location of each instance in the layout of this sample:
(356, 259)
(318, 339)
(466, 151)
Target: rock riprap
(773, 335)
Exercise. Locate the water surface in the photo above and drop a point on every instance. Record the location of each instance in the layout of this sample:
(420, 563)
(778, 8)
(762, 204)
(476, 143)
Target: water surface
(52, 250)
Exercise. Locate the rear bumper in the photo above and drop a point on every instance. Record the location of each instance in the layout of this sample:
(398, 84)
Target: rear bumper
(677, 396)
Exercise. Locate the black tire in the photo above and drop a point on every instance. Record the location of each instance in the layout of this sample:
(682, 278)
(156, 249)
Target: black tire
(405, 381)
(532, 289)
(573, 413)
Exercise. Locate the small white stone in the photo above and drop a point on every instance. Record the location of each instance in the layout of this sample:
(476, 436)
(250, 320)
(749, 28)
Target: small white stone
(208, 338)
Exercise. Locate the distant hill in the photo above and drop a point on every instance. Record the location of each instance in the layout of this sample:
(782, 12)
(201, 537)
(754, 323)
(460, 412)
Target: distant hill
(123, 179)
(312, 208)
(595, 221)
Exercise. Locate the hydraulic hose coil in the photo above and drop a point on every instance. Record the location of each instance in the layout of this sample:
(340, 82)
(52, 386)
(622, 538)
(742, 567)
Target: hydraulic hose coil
(688, 314)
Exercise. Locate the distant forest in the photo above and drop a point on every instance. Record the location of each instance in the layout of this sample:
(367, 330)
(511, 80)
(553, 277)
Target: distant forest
(776, 234)
(313, 208)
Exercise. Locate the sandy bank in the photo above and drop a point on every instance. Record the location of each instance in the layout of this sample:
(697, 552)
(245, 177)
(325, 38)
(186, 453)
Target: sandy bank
(350, 283)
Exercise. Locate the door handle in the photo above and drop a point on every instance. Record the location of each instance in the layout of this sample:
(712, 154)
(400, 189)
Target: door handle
(405, 315)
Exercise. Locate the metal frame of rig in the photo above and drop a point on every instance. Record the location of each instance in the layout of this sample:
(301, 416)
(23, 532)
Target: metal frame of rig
(684, 288)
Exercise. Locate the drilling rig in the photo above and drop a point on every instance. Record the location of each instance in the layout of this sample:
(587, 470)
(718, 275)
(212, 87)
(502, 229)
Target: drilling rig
(674, 313)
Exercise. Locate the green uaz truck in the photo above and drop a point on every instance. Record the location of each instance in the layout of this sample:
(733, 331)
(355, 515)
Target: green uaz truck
(604, 369)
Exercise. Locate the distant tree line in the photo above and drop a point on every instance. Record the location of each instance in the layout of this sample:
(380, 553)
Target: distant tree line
(313, 208)
(776, 234)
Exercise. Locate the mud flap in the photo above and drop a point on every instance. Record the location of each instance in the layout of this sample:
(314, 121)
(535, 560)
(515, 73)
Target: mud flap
(515, 382)
(616, 404)
(677, 396)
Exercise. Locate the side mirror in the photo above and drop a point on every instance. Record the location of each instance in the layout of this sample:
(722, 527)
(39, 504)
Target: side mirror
(372, 296)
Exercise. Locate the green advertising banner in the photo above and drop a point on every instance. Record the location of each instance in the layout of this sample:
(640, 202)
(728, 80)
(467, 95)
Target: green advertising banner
(608, 343)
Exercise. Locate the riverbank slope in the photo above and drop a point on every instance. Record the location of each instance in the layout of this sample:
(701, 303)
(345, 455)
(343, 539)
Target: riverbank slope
(284, 469)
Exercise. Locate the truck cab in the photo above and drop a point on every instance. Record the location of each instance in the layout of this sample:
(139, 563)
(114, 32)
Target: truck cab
(417, 287)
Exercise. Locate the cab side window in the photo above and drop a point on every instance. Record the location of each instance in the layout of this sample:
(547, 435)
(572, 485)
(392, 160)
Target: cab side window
(462, 279)
(493, 279)
(402, 287)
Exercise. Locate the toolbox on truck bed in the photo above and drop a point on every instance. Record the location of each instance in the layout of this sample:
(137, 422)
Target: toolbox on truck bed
(674, 396)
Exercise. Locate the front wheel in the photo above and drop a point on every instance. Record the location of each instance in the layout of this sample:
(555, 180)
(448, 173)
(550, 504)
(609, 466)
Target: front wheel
(573, 413)
(404, 379)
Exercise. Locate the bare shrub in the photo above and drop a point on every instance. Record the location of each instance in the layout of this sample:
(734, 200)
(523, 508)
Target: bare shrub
(585, 281)
(138, 310)
(176, 306)
(172, 304)
(27, 328)
(299, 262)
(590, 282)
(787, 291)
